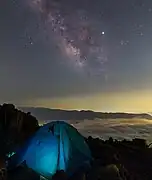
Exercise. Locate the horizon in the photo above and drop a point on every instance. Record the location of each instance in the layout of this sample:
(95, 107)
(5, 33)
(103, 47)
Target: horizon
(79, 110)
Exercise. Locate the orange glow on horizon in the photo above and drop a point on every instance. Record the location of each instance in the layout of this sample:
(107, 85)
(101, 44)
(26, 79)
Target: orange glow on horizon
(108, 102)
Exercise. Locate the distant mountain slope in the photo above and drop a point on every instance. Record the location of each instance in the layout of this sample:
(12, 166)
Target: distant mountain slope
(57, 114)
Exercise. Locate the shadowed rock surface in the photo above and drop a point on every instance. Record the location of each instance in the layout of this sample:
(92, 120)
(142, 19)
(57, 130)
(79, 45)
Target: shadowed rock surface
(133, 159)
(15, 127)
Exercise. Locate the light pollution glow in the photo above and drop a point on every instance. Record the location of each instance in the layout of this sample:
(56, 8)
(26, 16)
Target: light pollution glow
(107, 102)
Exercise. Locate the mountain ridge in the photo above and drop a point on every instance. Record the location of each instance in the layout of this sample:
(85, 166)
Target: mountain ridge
(42, 113)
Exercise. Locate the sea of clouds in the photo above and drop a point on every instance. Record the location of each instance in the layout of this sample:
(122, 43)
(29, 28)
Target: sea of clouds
(117, 128)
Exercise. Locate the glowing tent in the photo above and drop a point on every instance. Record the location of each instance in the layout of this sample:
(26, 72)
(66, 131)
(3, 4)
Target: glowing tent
(56, 146)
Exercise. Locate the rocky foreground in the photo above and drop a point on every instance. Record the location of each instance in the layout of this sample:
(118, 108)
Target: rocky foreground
(121, 160)
(113, 160)
(15, 127)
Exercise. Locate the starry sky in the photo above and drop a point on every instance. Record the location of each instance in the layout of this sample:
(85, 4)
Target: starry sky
(79, 54)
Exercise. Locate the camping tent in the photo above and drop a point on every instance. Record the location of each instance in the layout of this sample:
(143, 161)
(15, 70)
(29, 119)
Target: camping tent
(57, 146)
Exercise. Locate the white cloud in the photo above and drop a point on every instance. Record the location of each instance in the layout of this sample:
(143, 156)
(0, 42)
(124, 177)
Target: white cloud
(118, 129)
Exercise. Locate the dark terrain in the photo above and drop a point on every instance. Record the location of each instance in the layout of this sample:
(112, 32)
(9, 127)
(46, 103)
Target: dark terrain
(113, 160)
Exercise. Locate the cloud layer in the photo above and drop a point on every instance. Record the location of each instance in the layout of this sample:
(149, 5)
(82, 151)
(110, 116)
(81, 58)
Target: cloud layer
(118, 129)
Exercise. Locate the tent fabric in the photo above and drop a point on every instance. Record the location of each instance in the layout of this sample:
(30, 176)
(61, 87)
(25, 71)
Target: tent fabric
(57, 146)
(17, 156)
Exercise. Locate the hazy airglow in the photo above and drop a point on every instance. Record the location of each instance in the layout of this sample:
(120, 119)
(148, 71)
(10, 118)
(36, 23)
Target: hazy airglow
(140, 101)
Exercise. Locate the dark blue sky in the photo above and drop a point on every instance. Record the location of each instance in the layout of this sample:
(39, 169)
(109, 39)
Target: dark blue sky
(66, 54)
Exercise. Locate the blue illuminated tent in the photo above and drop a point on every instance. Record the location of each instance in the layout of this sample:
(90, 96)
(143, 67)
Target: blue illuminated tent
(56, 146)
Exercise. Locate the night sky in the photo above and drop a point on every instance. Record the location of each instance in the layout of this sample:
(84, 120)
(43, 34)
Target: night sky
(80, 54)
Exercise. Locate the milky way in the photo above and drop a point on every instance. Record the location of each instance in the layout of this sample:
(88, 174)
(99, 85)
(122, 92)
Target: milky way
(68, 49)
(75, 33)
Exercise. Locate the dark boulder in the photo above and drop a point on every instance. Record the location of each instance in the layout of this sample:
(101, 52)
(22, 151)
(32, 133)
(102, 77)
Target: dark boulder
(15, 127)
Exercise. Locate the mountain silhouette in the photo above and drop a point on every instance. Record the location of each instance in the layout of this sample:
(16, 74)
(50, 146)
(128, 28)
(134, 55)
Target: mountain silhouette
(58, 114)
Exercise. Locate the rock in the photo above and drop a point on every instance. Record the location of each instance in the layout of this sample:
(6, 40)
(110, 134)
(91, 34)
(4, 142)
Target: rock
(78, 176)
(60, 175)
(15, 127)
(23, 173)
(109, 172)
